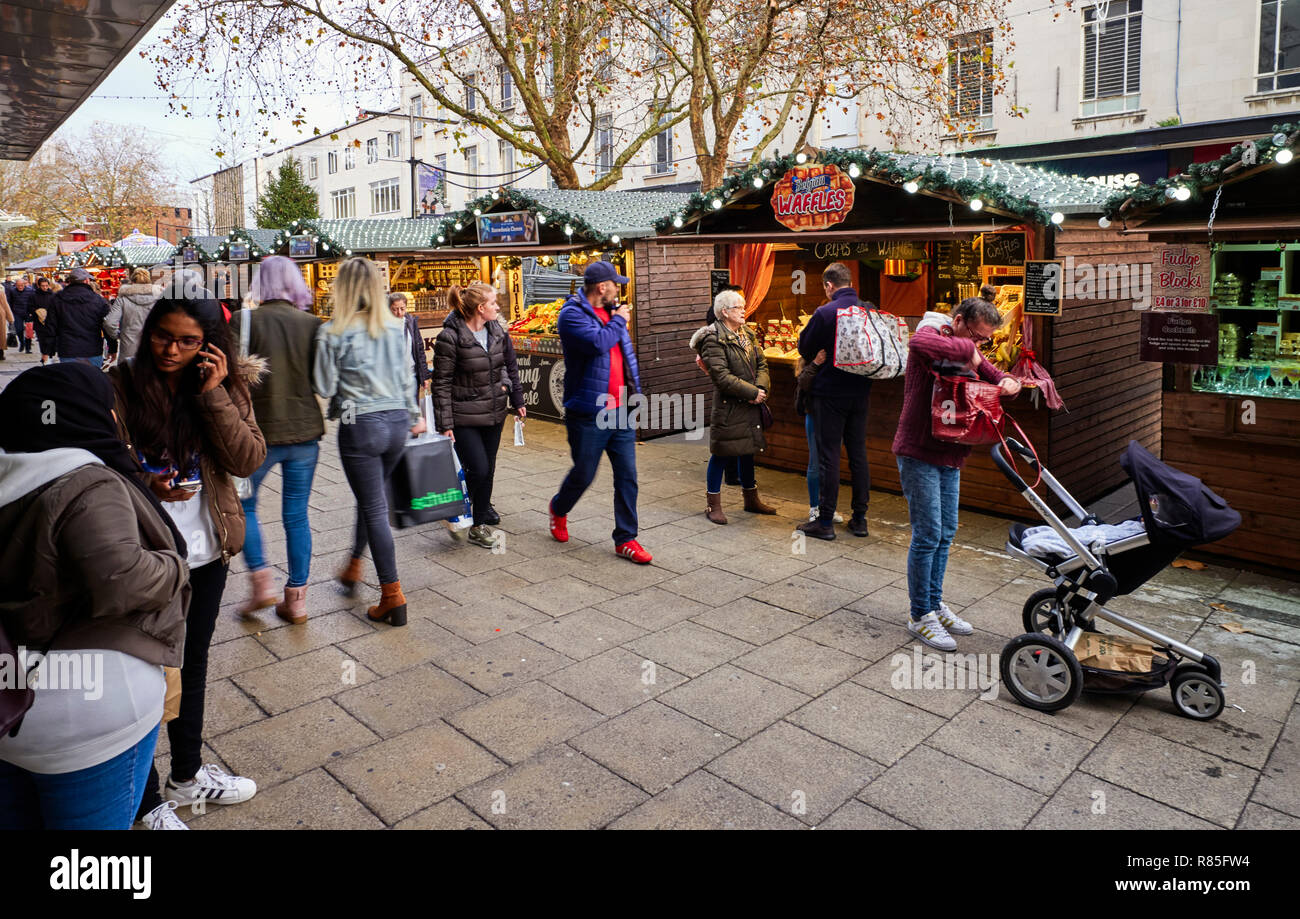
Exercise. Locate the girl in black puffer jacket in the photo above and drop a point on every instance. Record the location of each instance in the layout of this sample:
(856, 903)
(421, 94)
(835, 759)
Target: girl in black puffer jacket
(472, 359)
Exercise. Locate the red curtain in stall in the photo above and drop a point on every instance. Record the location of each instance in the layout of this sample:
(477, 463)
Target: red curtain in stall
(751, 269)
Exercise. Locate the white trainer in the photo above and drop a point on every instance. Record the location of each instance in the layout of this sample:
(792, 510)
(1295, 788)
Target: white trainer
(163, 817)
(931, 631)
(814, 512)
(213, 785)
(952, 622)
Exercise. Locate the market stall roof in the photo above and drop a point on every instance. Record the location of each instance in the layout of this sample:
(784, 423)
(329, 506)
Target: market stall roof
(108, 256)
(40, 263)
(53, 54)
(360, 235)
(601, 217)
(1176, 196)
(214, 248)
(147, 256)
(1009, 189)
(138, 239)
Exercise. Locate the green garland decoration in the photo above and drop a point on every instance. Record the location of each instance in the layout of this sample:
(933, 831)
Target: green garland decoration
(516, 200)
(189, 241)
(871, 164)
(240, 235)
(1200, 177)
(326, 245)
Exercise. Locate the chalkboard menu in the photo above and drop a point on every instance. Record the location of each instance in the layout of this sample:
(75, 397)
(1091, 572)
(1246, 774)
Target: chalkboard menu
(720, 280)
(1004, 249)
(1043, 281)
(956, 262)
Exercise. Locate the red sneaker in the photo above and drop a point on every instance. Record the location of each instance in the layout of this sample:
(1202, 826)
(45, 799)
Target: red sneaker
(632, 549)
(559, 525)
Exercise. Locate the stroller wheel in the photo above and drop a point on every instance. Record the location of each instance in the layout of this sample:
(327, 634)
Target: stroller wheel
(1040, 612)
(1041, 672)
(1196, 694)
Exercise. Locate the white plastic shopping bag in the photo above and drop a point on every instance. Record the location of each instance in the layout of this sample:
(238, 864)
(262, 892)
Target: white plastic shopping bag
(519, 432)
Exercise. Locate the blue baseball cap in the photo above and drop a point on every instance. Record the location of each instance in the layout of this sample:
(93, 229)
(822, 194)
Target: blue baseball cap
(602, 271)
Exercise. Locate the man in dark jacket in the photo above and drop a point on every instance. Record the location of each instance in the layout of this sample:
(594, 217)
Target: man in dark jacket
(79, 321)
(21, 304)
(838, 402)
(600, 372)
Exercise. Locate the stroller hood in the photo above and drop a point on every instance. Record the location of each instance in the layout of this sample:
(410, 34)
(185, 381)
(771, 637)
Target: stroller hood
(1176, 508)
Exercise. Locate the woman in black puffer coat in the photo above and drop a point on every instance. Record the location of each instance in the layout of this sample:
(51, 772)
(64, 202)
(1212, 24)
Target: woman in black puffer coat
(472, 360)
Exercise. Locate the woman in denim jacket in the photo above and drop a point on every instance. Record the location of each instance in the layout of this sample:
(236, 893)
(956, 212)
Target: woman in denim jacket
(363, 368)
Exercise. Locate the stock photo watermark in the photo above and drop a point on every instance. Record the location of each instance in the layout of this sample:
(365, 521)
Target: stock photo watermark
(77, 671)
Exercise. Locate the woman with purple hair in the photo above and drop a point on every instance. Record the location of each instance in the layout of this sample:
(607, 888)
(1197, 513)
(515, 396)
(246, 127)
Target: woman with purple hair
(282, 331)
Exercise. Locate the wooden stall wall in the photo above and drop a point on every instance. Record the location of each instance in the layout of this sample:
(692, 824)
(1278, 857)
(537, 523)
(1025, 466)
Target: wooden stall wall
(1092, 354)
(672, 294)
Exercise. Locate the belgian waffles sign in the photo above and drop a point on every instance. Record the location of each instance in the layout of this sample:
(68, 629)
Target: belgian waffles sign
(812, 197)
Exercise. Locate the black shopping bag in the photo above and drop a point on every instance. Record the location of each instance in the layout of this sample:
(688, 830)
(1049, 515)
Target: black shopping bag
(424, 486)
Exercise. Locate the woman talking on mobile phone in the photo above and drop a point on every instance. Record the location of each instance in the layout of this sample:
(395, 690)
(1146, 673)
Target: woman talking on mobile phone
(188, 416)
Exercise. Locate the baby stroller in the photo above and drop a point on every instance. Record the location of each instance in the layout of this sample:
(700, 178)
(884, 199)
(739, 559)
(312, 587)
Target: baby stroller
(1040, 668)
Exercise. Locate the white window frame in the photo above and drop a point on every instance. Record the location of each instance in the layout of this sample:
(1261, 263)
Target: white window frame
(506, 156)
(507, 85)
(372, 151)
(417, 119)
(662, 163)
(393, 144)
(441, 161)
(1120, 15)
(349, 157)
(471, 170)
(604, 144)
(386, 196)
(471, 95)
(660, 29)
(344, 203)
(332, 162)
(980, 114)
(1267, 81)
(313, 167)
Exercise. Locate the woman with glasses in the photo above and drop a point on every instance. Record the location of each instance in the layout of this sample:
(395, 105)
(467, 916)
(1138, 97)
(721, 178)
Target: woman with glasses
(187, 416)
(929, 469)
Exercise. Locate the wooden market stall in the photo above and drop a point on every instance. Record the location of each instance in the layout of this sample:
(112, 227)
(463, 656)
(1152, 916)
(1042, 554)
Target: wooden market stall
(1225, 252)
(105, 262)
(534, 245)
(912, 234)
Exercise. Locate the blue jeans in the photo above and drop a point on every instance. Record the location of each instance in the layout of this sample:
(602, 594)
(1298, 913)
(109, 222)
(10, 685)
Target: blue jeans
(814, 465)
(298, 463)
(932, 494)
(370, 448)
(97, 362)
(718, 465)
(587, 441)
(103, 797)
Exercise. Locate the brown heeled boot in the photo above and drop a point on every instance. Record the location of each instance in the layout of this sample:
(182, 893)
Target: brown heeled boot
(392, 605)
(714, 513)
(261, 596)
(754, 504)
(349, 577)
(294, 607)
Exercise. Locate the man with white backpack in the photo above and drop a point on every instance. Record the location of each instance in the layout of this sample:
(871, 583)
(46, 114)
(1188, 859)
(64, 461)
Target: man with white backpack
(838, 402)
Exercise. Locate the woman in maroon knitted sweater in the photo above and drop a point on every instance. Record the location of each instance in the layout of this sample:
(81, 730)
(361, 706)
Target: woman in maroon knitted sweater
(929, 470)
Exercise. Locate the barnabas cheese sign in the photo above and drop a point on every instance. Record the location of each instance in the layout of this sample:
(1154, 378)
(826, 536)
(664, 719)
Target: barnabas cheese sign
(812, 197)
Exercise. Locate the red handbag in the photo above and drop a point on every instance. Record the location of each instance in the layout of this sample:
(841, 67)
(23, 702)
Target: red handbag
(966, 410)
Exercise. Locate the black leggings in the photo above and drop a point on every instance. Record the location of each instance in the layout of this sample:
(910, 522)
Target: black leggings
(476, 448)
(185, 731)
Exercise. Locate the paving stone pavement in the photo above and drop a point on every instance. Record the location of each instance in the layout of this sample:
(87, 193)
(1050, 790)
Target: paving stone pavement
(736, 682)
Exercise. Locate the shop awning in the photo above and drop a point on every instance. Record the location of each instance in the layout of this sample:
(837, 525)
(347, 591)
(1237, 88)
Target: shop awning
(53, 54)
(601, 218)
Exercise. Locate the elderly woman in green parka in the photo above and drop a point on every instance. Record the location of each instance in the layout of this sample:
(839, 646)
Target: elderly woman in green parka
(731, 356)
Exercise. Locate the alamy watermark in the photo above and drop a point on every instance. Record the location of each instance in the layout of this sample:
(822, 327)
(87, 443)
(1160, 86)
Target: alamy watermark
(657, 412)
(945, 671)
(80, 671)
(1071, 280)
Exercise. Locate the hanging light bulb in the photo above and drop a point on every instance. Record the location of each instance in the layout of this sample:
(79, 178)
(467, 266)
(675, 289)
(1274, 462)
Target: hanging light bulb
(478, 212)
(911, 187)
(976, 204)
(1279, 139)
(801, 158)
(568, 230)
(1171, 193)
(347, 251)
(441, 238)
(758, 183)
(1058, 218)
(1104, 223)
(458, 226)
(717, 204)
(614, 240)
(677, 221)
(1283, 157)
(541, 218)
(1182, 193)
(854, 171)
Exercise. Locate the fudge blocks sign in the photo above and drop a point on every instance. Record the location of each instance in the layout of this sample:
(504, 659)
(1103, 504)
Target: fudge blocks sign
(812, 197)
(1181, 279)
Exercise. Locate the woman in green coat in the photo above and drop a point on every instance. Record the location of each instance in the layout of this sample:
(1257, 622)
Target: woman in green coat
(731, 356)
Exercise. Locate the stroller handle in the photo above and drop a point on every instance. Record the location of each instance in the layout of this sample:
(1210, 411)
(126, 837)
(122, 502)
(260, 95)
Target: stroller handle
(1008, 470)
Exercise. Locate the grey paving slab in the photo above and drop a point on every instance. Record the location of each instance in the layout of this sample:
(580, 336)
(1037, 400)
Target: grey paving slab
(316, 632)
(445, 815)
(522, 721)
(856, 633)
(681, 556)
(801, 664)
(558, 788)
(854, 815)
(703, 801)
(237, 656)
(411, 771)
(1180, 776)
(800, 773)
(479, 588)
(583, 634)
(1091, 717)
(652, 609)
(688, 648)
(277, 749)
(888, 604)
(763, 566)
(225, 708)
(734, 701)
(852, 575)
(290, 683)
(1012, 746)
(481, 621)
(501, 663)
(1279, 784)
(933, 791)
(751, 620)
(561, 595)
(1258, 817)
(395, 704)
(710, 586)
(805, 596)
(1241, 736)
(867, 722)
(312, 801)
(652, 746)
(1085, 802)
(394, 649)
(614, 681)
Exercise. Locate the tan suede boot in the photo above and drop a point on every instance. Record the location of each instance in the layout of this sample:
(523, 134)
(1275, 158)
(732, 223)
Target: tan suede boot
(262, 595)
(392, 605)
(754, 504)
(714, 513)
(294, 607)
(349, 577)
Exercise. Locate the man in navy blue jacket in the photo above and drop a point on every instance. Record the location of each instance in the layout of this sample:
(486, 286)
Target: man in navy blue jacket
(600, 372)
(838, 402)
(20, 302)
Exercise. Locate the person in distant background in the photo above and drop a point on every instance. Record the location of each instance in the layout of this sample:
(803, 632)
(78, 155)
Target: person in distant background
(411, 329)
(42, 306)
(79, 321)
(130, 309)
(20, 303)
